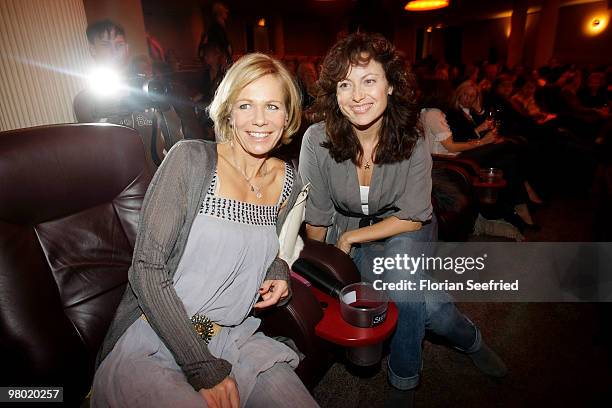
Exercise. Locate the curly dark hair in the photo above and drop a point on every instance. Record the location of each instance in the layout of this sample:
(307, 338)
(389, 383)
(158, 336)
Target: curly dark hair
(398, 133)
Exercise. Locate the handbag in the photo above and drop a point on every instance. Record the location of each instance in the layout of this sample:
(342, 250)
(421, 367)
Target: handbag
(291, 243)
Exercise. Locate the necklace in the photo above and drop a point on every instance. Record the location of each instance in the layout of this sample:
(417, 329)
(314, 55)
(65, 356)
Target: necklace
(254, 188)
(367, 163)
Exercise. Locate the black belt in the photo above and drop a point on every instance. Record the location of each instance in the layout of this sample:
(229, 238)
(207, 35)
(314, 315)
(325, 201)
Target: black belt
(371, 219)
(367, 220)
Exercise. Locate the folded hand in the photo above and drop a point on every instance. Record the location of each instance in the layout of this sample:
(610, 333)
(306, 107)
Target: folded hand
(272, 291)
(223, 395)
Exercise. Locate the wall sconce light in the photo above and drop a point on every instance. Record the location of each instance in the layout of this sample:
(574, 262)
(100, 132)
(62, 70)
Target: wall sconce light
(596, 24)
(429, 29)
(261, 22)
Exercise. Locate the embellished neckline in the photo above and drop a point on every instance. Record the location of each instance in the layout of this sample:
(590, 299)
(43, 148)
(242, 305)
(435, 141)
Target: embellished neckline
(242, 211)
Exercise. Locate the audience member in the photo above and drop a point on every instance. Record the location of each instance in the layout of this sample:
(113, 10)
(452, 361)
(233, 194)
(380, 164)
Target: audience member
(216, 34)
(489, 73)
(214, 70)
(291, 64)
(156, 51)
(108, 48)
(107, 44)
(307, 78)
(523, 101)
(594, 94)
(582, 120)
(470, 125)
(370, 173)
(183, 334)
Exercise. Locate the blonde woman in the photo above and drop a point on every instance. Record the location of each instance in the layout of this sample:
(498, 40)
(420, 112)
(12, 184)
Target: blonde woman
(206, 254)
(469, 134)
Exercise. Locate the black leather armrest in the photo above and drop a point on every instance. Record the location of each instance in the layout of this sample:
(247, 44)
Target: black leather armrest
(330, 260)
(297, 320)
(468, 165)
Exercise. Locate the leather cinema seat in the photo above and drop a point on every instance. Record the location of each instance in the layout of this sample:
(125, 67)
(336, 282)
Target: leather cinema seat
(70, 197)
(454, 201)
(303, 312)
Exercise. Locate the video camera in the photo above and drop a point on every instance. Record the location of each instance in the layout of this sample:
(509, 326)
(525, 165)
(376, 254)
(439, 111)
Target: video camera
(146, 104)
(115, 96)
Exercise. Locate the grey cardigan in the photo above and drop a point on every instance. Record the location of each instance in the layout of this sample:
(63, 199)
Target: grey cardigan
(169, 209)
(405, 185)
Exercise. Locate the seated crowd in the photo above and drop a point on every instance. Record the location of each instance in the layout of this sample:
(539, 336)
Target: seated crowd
(530, 124)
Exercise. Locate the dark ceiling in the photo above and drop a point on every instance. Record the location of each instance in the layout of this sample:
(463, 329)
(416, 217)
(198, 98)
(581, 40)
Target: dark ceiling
(462, 10)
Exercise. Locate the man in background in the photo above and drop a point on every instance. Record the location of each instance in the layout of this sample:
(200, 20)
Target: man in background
(107, 44)
(174, 117)
(109, 48)
(216, 35)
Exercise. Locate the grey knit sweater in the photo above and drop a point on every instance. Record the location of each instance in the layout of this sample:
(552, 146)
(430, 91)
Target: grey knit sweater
(169, 209)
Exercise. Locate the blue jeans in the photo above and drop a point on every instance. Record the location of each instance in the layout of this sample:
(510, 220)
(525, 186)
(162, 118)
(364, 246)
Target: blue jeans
(418, 310)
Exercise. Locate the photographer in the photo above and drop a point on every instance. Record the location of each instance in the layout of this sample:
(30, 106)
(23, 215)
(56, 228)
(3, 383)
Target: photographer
(109, 50)
(130, 95)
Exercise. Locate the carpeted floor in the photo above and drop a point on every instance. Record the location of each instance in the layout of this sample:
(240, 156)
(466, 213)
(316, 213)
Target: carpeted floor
(558, 354)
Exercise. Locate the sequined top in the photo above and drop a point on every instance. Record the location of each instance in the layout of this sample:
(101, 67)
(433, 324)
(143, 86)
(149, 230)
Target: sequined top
(242, 212)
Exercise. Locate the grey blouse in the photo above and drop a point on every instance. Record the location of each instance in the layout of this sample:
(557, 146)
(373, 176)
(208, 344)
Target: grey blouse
(405, 185)
(168, 212)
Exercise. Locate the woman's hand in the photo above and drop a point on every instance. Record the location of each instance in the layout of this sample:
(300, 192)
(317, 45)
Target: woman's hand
(490, 137)
(272, 291)
(223, 395)
(486, 125)
(344, 243)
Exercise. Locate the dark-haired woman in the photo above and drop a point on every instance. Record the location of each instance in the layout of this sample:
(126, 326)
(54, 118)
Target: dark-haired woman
(371, 191)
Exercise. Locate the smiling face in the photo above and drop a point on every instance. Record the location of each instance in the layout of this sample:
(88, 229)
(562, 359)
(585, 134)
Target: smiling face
(362, 95)
(259, 116)
(468, 97)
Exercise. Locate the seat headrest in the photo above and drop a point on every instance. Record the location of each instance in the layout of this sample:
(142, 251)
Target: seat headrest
(47, 172)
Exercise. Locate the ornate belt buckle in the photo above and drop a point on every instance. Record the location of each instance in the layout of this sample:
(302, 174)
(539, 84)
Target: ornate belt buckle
(203, 326)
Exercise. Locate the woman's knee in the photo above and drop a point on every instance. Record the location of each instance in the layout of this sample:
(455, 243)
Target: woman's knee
(441, 316)
(280, 386)
(413, 242)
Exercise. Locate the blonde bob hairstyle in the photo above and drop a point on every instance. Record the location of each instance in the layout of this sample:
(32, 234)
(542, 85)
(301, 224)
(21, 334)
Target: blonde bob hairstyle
(461, 89)
(246, 70)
